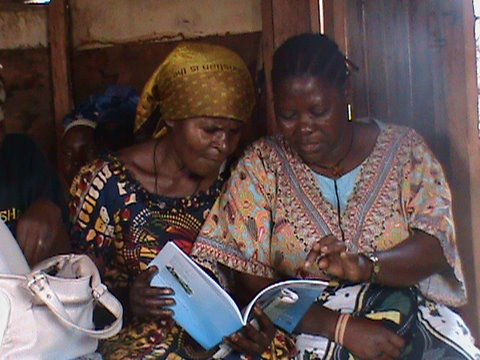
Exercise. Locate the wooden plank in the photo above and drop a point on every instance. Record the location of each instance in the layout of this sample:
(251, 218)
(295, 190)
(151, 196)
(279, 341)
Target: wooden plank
(27, 77)
(58, 36)
(290, 18)
(459, 127)
(376, 66)
(474, 159)
(421, 69)
(268, 46)
(355, 51)
(398, 62)
(335, 18)
(314, 16)
(329, 18)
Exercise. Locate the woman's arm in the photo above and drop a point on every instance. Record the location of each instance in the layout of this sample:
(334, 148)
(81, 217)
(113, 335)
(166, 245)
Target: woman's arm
(363, 337)
(411, 261)
(406, 264)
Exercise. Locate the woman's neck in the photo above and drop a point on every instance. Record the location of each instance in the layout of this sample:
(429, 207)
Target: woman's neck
(355, 151)
(171, 173)
(339, 156)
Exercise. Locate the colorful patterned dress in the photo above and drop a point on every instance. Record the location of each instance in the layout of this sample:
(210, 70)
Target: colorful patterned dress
(273, 210)
(117, 220)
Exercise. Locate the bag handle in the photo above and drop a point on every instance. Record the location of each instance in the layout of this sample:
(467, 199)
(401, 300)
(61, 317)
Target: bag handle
(38, 285)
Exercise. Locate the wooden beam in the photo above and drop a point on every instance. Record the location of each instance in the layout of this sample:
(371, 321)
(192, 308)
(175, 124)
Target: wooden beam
(59, 40)
(268, 47)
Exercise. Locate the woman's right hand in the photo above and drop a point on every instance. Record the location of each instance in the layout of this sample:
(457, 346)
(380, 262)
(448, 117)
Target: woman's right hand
(150, 302)
(254, 340)
(371, 340)
(332, 257)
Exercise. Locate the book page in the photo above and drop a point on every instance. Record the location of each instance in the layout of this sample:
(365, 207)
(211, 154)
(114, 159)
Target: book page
(287, 302)
(202, 307)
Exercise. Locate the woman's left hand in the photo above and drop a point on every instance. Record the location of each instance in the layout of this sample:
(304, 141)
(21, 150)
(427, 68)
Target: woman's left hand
(252, 341)
(332, 257)
(40, 231)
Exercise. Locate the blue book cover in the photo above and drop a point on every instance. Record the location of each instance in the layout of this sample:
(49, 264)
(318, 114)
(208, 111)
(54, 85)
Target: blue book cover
(209, 314)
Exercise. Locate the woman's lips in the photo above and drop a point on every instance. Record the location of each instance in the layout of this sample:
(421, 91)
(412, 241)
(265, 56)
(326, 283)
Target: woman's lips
(214, 160)
(309, 148)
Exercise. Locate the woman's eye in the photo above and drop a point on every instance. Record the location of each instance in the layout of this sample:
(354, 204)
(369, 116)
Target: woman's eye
(319, 113)
(286, 115)
(210, 130)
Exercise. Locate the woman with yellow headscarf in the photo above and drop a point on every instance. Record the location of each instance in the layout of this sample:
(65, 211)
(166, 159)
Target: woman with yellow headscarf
(126, 206)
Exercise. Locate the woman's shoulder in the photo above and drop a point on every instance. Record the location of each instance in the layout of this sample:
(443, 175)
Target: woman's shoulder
(138, 158)
(100, 171)
(396, 130)
(267, 147)
(399, 135)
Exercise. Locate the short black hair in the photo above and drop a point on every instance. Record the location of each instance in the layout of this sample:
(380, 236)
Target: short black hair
(310, 55)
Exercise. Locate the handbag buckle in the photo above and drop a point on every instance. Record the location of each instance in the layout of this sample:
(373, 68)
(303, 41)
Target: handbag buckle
(99, 291)
(37, 281)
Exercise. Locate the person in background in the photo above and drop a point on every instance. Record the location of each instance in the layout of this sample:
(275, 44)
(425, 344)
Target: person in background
(362, 203)
(102, 123)
(78, 145)
(125, 207)
(32, 202)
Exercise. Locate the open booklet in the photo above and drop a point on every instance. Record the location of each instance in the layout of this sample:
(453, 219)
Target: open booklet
(208, 313)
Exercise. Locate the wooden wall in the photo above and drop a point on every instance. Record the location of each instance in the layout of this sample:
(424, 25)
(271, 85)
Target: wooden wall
(415, 60)
(133, 63)
(29, 106)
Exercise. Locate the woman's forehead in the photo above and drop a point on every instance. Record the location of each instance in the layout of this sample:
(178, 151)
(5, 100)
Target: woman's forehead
(307, 88)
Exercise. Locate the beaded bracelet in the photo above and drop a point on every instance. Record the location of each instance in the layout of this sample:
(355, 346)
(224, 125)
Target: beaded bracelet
(340, 328)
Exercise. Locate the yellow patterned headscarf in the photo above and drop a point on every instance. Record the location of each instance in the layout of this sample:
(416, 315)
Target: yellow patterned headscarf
(197, 80)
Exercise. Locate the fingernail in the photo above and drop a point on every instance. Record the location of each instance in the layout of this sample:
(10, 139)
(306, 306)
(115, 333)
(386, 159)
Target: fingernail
(257, 310)
(324, 249)
(307, 264)
(343, 254)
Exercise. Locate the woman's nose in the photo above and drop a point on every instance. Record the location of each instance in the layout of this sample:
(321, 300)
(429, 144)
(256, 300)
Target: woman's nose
(221, 142)
(306, 124)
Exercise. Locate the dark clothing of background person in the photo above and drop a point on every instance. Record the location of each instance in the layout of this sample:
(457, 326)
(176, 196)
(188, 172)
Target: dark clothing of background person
(25, 177)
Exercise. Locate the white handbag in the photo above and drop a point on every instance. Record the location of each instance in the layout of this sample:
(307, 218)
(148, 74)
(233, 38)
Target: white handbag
(50, 310)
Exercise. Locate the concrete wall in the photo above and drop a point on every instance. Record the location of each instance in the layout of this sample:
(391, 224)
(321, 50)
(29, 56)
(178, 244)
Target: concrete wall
(112, 22)
(23, 29)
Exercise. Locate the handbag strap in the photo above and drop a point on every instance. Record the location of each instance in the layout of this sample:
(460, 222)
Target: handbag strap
(39, 286)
